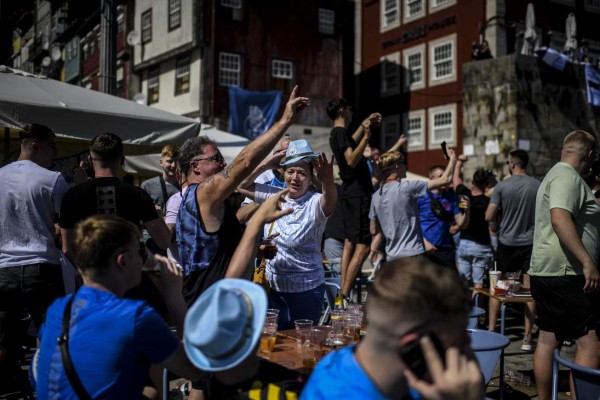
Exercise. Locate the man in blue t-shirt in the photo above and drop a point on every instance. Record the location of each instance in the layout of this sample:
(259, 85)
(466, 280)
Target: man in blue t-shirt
(111, 340)
(413, 303)
(438, 210)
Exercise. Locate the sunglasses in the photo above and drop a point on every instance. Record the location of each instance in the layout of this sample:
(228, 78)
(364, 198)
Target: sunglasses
(217, 159)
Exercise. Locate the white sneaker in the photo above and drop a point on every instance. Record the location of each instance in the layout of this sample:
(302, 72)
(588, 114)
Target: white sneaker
(527, 344)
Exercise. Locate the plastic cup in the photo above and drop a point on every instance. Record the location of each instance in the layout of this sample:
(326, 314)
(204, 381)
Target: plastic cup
(494, 278)
(309, 355)
(271, 317)
(352, 324)
(303, 327)
(267, 340)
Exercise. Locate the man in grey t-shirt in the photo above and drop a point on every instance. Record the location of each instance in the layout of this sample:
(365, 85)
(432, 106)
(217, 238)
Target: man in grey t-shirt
(515, 198)
(394, 210)
(162, 187)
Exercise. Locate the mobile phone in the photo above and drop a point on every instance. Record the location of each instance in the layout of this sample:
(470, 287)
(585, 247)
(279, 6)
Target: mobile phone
(445, 150)
(412, 355)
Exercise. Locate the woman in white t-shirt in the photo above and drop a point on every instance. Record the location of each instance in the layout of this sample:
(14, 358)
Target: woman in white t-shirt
(296, 274)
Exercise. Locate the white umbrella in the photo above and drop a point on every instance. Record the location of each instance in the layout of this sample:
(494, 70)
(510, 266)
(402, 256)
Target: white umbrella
(571, 32)
(530, 38)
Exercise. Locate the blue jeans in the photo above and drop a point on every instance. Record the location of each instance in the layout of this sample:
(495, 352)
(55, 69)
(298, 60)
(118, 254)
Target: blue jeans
(473, 259)
(301, 305)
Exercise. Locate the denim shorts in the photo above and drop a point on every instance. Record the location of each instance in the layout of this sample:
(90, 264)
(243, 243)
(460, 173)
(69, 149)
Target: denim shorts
(473, 259)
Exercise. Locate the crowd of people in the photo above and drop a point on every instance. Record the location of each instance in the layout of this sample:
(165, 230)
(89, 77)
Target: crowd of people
(166, 268)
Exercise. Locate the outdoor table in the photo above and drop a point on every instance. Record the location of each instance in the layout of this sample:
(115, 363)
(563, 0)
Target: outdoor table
(285, 352)
(503, 299)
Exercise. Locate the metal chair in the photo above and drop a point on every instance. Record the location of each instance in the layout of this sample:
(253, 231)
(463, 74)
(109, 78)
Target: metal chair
(586, 381)
(332, 285)
(474, 315)
(488, 347)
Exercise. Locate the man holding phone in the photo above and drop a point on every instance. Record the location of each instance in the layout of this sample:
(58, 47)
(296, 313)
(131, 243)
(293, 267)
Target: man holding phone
(417, 313)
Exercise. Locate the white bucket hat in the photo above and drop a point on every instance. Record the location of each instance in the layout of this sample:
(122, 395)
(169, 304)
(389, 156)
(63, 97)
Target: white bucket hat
(224, 325)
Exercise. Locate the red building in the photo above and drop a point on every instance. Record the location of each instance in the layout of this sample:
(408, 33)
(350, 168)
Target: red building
(411, 54)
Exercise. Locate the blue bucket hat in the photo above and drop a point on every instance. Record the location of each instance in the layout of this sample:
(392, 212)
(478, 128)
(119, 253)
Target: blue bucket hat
(299, 150)
(224, 325)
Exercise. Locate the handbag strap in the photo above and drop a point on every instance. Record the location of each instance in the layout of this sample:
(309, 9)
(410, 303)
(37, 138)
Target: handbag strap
(165, 194)
(63, 343)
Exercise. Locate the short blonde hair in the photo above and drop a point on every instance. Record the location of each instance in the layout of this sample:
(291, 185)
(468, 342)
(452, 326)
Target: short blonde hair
(170, 151)
(584, 139)
(389, 160)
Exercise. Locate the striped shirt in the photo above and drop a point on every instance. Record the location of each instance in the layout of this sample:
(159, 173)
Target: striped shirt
(298, 265)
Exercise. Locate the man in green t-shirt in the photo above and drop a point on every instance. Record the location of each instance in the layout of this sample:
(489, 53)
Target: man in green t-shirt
(564, 274)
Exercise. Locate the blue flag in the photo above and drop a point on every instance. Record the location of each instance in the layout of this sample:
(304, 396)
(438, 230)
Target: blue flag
(593, 85)
(252, 113)
(554, 59)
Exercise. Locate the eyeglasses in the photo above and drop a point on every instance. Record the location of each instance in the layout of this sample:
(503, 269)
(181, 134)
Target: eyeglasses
(216, 158)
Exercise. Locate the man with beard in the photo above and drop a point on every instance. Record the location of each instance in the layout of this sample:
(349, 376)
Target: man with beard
(515, 198)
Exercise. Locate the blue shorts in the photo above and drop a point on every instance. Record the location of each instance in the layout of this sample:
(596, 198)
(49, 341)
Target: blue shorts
(473, 259)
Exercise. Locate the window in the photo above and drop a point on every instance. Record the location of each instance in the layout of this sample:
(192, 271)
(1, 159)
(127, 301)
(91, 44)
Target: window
(326, 21)
(232, 3)
(182, 75)
(153, 85)
(390, 131)
(390, 14)
(390, 74)
(592, 5)
(437, 5)
(229, 69)
(415, 129)
(442, 58)
(282, 74)
(147, 26)
(442, 125)
(414, 62)
(413, 9)
(282, 69)
(174, 14)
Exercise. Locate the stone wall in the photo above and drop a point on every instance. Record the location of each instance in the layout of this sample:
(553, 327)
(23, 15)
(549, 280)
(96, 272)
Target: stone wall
(521, 102)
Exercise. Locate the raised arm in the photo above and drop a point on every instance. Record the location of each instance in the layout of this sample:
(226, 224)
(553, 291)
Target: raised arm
(242, 262)
(362, 136)
(401, 140)
(218, 187)
(446, 177)
(456, 178)
(324, 171)
(248, 186)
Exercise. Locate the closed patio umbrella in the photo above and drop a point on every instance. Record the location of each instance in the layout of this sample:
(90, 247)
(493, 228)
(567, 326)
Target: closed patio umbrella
(530, 39)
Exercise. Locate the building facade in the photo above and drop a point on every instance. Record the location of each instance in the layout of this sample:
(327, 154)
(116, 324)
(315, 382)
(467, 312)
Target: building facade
(411, 55)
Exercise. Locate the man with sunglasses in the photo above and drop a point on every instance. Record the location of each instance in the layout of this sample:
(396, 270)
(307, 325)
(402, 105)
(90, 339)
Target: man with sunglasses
(207, 228)
(417, 315)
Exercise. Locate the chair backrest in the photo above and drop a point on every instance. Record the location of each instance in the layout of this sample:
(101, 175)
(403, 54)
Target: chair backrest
(488, 348)
(332, 285)
(585, 380)
(474, 315)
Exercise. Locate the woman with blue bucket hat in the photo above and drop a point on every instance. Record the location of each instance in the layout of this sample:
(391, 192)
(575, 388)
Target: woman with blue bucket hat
(296, 274)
